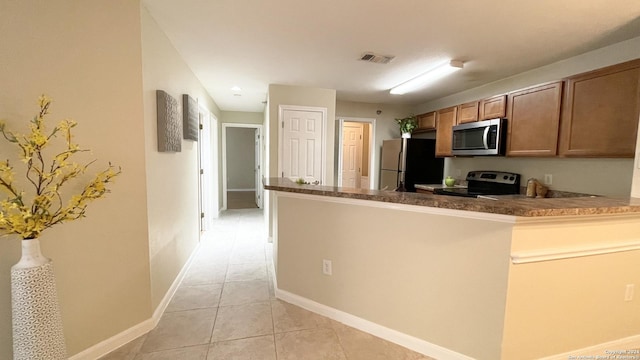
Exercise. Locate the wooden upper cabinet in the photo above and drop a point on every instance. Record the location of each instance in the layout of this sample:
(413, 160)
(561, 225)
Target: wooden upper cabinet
(427, 121)
(600, 114)
(493, 107)
(468, 112)
(534, 119)
(445, 120)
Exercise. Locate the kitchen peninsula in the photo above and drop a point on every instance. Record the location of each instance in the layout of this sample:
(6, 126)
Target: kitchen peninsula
(461, 278)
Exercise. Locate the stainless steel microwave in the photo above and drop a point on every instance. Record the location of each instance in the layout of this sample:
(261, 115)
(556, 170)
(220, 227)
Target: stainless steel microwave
(487, 137)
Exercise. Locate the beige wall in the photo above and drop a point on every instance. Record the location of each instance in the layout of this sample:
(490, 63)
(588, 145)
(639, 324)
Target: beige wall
(441, 279)
(598, 176)
(386, 126)
(366, 148)
(87, 57)
(609, 177)
(299, 96)
(172, 186)
(240, 158)
(574, 303)
(450, 281)
(302, 96)
(241, 117)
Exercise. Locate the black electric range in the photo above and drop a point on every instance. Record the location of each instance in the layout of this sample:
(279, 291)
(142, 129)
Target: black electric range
(485, 183)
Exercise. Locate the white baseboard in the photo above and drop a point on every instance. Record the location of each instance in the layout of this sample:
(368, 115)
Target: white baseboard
(132, 333)
(438, 352)
(394, 336)
(605, 350)
(114, 342)
(174, 287)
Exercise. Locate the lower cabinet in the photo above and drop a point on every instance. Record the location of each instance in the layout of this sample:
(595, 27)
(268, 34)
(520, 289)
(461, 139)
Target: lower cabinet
(534, 119)
(445, 120)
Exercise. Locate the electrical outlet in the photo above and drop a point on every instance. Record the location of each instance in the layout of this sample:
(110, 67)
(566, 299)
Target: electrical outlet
(458, 173)
(548, 179)
(327, 267)
(628, 292)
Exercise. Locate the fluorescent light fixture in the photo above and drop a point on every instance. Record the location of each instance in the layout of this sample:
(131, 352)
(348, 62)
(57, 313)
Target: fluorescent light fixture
(430, 76)
(236, 89)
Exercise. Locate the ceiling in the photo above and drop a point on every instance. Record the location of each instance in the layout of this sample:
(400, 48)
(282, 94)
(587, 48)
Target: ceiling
(254, 43)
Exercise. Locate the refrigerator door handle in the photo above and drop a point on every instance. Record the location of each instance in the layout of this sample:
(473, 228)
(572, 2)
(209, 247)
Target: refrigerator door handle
(399, 167)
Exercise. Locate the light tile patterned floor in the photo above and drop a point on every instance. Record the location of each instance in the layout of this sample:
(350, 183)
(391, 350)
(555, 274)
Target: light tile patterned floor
(226, 309)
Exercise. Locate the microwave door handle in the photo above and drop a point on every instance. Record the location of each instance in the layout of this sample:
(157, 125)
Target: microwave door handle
(485, 137)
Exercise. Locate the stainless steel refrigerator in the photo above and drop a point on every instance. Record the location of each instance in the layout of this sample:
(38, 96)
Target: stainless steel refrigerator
(421, 164)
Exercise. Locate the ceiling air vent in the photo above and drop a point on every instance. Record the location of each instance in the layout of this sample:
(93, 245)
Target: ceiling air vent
(375, 58)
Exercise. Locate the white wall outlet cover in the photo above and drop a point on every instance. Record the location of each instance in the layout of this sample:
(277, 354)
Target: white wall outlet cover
(326, 267)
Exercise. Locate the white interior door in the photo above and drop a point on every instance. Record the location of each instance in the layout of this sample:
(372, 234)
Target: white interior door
(351, 155)
(205, 176)
(302, 136)
(257, 170)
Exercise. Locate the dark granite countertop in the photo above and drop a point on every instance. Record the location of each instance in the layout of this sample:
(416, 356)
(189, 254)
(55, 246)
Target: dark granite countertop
(509, 205)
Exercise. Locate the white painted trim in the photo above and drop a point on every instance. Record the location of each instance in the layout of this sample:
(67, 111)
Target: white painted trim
(224, 155)
(339, 136)
(206, 204)
(373, 168)
(580, 250)
(241, 189)
(606, 350)
(394, 336)
(323, 110)
(403, 207)
(104, 347)
(157, 314)
(526, 220)
(215, 165)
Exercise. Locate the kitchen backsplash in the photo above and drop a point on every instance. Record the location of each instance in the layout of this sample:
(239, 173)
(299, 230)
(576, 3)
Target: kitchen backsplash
(609, 177)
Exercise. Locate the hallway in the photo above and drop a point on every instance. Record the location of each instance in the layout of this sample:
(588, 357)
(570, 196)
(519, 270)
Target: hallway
(226, 309)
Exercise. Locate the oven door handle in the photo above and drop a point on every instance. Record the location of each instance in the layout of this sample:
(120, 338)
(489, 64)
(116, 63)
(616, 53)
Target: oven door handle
(485, 137)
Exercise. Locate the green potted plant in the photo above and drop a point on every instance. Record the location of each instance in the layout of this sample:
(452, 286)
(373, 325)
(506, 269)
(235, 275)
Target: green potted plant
(407, 125)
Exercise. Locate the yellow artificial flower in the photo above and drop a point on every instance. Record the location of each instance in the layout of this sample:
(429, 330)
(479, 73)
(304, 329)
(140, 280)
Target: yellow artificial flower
(44, 101)
(28, 216)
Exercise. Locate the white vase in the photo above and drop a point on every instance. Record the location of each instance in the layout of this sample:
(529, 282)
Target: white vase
(36, 317)
(406, 135)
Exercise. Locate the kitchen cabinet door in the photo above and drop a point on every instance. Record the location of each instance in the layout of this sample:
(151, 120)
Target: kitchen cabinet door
(600, 115)
(445, 120)
(534, 120)
(493, 107)
(427, 121)
(468, 112)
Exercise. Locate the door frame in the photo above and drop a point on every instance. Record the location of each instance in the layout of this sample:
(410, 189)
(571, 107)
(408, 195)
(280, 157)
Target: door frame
(207, 169)
(323, 140)
(225, 126)
(258, 169)
(373, 169)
